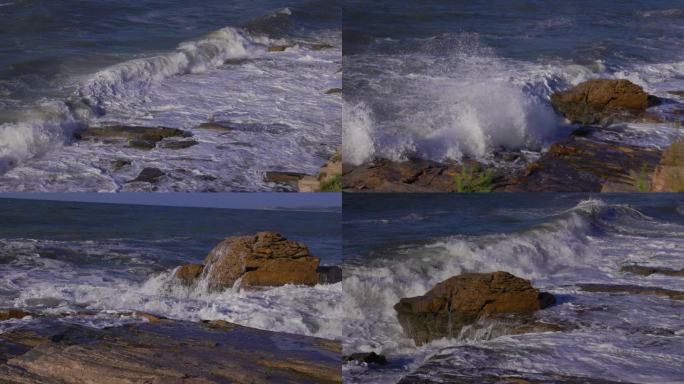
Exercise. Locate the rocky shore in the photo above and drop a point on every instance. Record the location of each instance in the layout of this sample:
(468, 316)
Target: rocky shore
(163, 351)
(591, 159)
(42, 348)
(503, 304)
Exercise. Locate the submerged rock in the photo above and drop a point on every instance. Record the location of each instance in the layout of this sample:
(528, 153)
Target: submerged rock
(149, 175)
(278, 48)
(462, 300)
(334, 91)
(602, 100)
(364, 357)
(165, 351)
(669, 174)
(633, 290)
(138, 137)
(647, 271)
(178, 144)
(266, 259)
(321, 46)
(216, 125)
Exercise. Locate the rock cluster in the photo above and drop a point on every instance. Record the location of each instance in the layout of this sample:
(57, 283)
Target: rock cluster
(462, 300)
(265, 259)
(137, 137)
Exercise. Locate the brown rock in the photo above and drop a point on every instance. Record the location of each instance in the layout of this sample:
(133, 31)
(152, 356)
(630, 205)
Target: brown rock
(267, 259)
(216, 125)
(334, 91)
(320, 46)
(283, 177)
(137, 137)
(669, 174)
(462, 300)
(6, 314)
(585, 163)
(413, 175)
(594, 101)
(189, 272)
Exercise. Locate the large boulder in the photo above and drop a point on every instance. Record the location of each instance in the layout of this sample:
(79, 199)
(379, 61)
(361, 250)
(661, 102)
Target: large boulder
(462, 300)
(600, 100)
(669, 174)
(266, 259)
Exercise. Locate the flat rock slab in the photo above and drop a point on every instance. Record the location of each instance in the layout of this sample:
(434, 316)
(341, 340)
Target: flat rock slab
(647, 271)
(583, 163)
(632, 290)
(165, 352)
(138, 137)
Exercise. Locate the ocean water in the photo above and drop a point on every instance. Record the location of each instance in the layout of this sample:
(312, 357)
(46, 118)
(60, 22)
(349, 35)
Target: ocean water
(95, 263)
(446, 80)
(402, 245)
(68, 65)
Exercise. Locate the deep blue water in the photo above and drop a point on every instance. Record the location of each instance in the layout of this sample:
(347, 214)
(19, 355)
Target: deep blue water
(180, 234)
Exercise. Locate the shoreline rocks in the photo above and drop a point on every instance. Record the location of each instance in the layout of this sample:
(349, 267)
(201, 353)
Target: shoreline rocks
(13, 313)
(647, 271)
(462, 300)
(603, 101)
(164, 351)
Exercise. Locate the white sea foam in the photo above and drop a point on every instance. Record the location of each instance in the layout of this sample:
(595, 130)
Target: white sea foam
(133, 78)
(357, 126)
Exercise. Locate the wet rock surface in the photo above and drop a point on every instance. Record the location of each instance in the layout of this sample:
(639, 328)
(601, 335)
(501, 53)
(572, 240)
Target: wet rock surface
(164, 351)
(464, 299)
(136, 136)
(586, 163)
(632, 290)
(264, 259)
(149, 175)
(413, 175)
(647, 271)
(602, 101)
(669, 173)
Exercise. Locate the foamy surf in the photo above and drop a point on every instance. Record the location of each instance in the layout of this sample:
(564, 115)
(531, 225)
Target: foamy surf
(557, 248)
